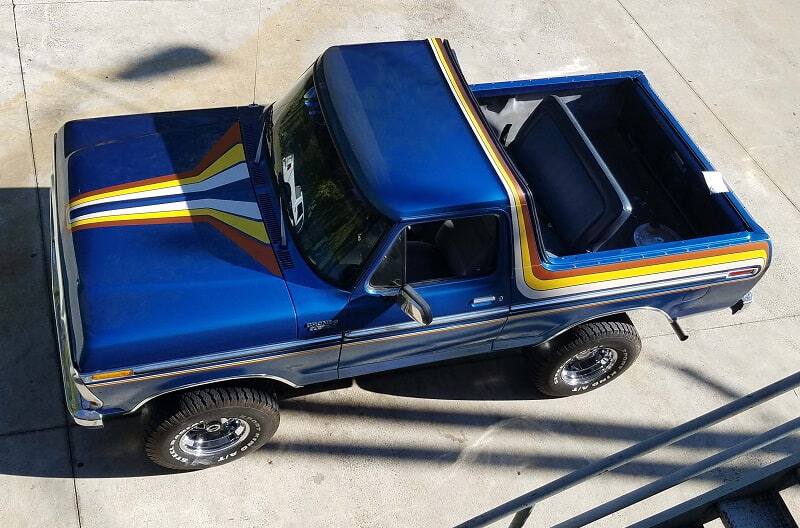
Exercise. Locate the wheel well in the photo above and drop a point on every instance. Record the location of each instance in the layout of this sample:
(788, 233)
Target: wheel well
(274, 386)
(621, 317)
(563, 334)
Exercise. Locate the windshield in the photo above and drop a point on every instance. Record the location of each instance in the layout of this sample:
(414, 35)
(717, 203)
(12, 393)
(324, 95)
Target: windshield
(334, 227)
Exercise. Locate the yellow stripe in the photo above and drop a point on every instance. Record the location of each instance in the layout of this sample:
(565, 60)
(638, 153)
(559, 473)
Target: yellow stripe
(578, 280)
(253, 228)
(486, 143)
(233, 156)
(510, 180)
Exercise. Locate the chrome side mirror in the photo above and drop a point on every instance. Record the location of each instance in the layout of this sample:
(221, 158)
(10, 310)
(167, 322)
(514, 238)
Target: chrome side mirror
(414, 306)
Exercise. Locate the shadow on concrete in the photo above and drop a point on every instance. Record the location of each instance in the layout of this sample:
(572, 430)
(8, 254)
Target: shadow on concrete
(718, 386)
(30, 389)
(505, 377)
(165, 61)
(117, 450)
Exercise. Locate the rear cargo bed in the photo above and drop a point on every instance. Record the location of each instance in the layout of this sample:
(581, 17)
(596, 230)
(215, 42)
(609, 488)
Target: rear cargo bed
(659, 173)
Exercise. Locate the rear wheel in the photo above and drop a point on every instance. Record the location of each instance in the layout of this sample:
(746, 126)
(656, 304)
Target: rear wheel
(590, 356)
(210, 427)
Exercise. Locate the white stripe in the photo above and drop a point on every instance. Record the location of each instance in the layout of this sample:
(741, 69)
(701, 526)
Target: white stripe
(648, 281)
(515, 220)
(232, 174)
(246, 209)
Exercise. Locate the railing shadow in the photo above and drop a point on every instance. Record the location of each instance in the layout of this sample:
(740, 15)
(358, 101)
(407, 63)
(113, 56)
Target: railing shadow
(117, 450)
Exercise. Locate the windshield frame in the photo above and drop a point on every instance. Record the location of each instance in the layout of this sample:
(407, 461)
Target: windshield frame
(347, 282)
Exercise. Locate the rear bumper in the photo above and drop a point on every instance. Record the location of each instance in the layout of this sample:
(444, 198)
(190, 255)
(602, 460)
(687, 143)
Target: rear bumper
(81, 403)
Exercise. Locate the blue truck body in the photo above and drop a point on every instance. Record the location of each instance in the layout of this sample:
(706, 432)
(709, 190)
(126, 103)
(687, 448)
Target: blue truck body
(174, 266)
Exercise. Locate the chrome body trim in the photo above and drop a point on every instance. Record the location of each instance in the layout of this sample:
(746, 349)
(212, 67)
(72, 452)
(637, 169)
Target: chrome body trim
(410, 325)
(233, 356)
(82, 404)
(516, 310)
(424, 330)
(207, 368)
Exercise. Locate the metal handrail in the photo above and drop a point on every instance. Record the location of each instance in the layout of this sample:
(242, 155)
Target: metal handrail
(682, 475)
(522, 505)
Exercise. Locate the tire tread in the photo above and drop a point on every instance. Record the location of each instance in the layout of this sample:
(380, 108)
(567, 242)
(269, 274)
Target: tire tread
(165, 418)
(544, 361)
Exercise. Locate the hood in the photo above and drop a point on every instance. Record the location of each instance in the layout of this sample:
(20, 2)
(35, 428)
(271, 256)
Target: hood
(165, 249)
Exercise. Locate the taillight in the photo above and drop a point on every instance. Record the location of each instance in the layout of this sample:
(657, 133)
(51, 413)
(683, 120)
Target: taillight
(744, 272)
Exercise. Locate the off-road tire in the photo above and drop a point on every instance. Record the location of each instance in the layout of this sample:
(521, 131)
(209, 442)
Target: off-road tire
(255, 410)
(549, 363)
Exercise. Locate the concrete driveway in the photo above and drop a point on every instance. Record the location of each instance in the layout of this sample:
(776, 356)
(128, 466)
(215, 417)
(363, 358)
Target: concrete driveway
(432, 446)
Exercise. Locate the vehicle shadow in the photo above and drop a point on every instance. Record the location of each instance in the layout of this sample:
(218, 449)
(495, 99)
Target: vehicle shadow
(496, 377)
(118, 451)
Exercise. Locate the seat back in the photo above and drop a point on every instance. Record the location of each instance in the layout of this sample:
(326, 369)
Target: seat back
(569, 180)
(469, 245)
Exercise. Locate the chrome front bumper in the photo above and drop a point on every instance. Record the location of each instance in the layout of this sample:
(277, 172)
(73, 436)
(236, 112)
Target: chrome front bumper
(81, 403)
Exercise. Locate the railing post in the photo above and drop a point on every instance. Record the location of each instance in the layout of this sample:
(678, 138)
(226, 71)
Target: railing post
(520, 517)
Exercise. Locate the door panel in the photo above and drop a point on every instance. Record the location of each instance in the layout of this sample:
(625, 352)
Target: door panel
(468, 314)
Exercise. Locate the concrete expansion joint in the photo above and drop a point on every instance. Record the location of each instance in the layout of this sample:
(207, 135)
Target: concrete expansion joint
(708, 107)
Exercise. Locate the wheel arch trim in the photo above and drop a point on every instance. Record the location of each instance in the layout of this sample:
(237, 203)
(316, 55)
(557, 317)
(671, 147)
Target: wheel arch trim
(600, 317)
(213, 382)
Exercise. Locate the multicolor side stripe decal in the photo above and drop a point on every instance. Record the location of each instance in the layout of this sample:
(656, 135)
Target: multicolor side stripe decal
(535, 281)
(185, 198)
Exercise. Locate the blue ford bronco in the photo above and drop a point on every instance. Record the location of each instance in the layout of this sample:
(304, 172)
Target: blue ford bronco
(382, 214)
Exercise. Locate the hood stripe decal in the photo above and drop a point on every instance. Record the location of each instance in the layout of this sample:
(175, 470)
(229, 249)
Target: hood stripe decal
(227, 176)
(533, 279)
(254, 228)
(229, 148)
(239, 221)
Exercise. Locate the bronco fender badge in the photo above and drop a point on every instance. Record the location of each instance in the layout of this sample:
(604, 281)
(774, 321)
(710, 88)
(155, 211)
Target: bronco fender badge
(316, 326)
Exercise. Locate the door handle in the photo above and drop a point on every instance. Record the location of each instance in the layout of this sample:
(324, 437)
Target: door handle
(482, 301)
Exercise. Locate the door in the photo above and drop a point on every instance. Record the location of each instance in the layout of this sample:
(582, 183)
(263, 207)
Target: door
(460, 267)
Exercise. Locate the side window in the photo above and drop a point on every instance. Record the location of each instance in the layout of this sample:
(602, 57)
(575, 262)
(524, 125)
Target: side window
(458, 248)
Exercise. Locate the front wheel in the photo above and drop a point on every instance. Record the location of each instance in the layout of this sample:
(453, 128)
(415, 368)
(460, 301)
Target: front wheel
(211, 427)
(592, 355)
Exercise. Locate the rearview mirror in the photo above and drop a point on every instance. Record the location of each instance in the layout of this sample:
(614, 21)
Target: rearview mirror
(414, 306)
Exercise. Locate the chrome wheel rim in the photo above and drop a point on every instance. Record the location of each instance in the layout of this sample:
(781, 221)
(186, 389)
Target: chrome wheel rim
(214, 436)
(588, 365)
